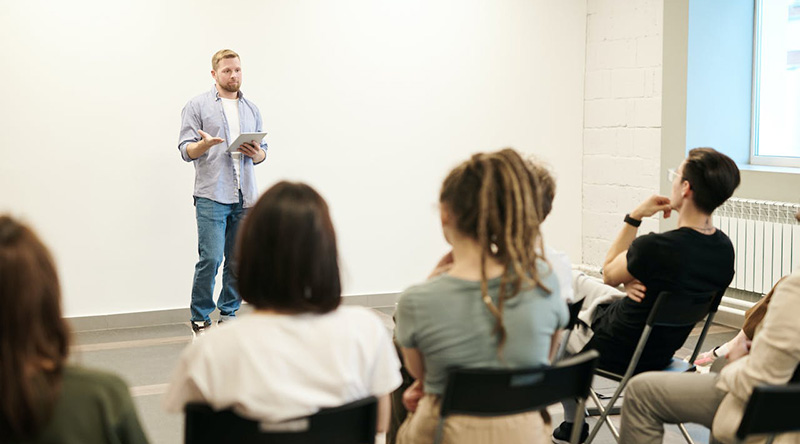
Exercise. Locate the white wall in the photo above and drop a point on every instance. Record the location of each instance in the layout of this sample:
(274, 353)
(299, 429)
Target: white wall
(369, 101)
(622, 136)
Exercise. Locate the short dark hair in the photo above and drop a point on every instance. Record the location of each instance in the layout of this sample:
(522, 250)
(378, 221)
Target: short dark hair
(286, 252)
(713, 177)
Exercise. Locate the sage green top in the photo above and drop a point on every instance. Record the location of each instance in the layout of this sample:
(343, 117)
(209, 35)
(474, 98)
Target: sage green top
(446, 319)
(94, 407)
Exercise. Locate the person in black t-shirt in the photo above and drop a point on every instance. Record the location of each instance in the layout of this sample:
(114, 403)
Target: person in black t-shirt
(695, 257)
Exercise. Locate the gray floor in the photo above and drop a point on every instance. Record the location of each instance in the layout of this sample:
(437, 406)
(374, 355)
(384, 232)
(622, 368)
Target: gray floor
(146, 356)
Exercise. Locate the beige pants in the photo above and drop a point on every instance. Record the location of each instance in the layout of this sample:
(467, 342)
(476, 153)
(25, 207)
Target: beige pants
(420, 427)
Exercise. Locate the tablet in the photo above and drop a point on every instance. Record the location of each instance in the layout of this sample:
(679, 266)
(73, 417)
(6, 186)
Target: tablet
(243, 138)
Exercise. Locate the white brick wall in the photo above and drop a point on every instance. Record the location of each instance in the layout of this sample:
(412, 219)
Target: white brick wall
(622, 117)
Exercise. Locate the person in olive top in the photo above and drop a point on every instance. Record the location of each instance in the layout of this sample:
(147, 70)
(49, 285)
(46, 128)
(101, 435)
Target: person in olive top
(42, 398)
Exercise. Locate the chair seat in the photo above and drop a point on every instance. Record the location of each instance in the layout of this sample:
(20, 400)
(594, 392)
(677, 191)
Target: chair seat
(676, 365)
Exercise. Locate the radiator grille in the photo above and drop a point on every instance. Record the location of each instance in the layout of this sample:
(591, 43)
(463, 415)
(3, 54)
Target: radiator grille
(766, 238)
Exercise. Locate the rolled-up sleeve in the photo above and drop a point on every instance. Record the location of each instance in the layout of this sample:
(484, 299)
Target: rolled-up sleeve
(190, 125)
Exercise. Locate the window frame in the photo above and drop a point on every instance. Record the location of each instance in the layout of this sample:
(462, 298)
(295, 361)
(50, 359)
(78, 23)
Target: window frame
(755, 159)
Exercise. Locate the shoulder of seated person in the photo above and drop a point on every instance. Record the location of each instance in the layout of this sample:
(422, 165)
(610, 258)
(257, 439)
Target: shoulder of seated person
(94, 380)
(792, 279)
(355, 311)
(423, 289)
(789, 286)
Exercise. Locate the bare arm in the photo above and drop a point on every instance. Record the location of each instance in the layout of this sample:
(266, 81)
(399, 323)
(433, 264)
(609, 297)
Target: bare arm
(384, 413)
(555, 341)
(414, 363)
(615, 266)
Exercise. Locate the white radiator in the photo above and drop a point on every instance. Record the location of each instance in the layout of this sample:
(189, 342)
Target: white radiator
(766, 238)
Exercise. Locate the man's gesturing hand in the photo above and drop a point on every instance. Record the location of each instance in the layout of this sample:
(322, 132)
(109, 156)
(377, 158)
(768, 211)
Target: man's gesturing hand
(208, 140)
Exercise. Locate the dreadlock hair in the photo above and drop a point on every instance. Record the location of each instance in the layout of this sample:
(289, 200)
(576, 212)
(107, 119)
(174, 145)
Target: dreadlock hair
(495, 198)
(547, 185)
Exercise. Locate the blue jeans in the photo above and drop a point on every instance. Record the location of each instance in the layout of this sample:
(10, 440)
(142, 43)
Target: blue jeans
(216, 237)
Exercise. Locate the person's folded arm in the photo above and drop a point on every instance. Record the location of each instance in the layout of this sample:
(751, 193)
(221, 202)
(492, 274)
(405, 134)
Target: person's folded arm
(615, 272)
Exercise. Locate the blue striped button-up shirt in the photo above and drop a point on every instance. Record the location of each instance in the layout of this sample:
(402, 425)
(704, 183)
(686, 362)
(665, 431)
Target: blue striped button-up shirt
(215, 177)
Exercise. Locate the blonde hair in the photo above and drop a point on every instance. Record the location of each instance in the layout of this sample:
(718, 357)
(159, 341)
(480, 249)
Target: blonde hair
(496, 198)
(222, 54)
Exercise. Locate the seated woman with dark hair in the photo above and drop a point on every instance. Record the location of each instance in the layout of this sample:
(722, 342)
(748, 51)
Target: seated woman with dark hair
(300, 351)
(42, 398)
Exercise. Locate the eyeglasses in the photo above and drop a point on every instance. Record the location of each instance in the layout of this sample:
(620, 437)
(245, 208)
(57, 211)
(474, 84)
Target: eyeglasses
(672, 174)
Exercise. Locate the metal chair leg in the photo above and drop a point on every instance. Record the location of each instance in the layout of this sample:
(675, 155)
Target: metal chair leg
(577, 425)
(604, 415)
(685, 434)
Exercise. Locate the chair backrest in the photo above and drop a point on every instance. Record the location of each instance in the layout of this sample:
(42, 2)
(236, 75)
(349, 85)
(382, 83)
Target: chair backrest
(771, 409)
(498, 392)
(574, 309)
(353, 423)
(673, 309)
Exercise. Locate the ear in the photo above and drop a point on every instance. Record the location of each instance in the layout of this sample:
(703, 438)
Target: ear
(444, 214)
(686, 189)
(213, 74)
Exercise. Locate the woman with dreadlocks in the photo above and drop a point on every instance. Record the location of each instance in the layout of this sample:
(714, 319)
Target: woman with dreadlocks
(497, 306)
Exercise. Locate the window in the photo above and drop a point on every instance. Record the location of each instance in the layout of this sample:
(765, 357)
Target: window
(776, 84)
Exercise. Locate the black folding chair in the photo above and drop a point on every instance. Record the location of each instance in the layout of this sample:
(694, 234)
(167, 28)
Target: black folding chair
(574, 309)
(499, 392)
(669, 310)
(770, 410)
(353, 423)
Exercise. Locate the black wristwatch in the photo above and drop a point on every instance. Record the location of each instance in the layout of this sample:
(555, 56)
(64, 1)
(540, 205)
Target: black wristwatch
(631, 221)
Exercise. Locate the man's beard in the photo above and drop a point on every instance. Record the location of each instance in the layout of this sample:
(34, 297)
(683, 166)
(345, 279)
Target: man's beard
(232, 87)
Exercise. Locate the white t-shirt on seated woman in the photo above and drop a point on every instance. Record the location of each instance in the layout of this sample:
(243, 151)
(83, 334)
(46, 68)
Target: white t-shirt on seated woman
(271, 367)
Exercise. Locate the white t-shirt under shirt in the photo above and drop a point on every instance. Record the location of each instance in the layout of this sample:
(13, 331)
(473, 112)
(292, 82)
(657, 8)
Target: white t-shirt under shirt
(272, 368)
(231, 109)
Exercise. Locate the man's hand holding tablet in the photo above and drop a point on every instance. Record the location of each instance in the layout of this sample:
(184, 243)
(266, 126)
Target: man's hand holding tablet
(247, 142)
(250, 149)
